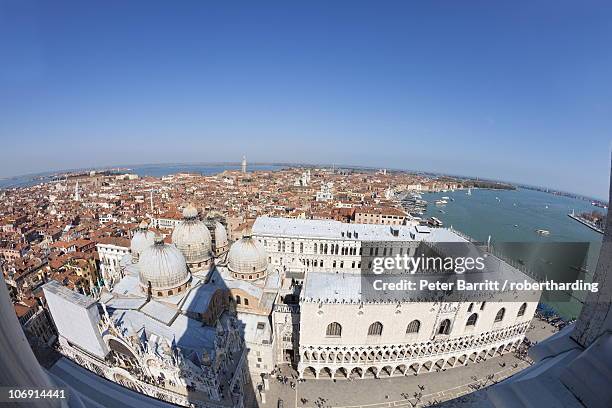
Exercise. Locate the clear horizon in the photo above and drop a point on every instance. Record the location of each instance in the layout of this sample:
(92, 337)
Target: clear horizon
(513, 92)
(339, 165)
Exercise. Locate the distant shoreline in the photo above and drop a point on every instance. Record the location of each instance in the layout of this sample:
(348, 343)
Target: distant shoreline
(23, 180)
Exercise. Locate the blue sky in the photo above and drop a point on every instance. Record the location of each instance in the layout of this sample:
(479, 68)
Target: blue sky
(518, 91)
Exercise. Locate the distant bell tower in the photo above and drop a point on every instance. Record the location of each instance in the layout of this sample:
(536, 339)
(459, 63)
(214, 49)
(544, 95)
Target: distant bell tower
(77, 196)
(244, 165)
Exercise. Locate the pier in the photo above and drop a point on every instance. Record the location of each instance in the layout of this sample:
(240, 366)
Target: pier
(585, 222)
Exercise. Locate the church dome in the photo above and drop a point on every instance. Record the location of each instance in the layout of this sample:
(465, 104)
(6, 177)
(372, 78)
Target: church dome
(220, 235)
(164, 267)
(192, 238)
(142, 239)
(247, 259)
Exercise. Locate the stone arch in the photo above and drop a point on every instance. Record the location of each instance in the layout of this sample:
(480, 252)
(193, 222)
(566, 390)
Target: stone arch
(439, 364)
(387, 370)
(451, 362)
(473, 357)
(371, 372)
(400, 370)
(414, 368)
(463, 359)
(356, 372)
(326, 372)
(309, 372)
(341, 373)
(427, 365)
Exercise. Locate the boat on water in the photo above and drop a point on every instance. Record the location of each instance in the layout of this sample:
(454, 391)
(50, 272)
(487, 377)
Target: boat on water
(441, 202)
(446, 198)
(543, 232)
(515, 225)
(452, 199)
(469, 192)
(442, 211)
(435, 222)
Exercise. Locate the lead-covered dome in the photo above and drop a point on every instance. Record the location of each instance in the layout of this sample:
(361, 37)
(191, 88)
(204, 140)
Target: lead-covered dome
(163, 266)
(247, 259)
(192, 238)
(221, 241)
(142, 239)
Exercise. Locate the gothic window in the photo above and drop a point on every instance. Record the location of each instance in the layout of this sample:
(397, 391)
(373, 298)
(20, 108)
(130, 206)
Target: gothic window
(444, 327)
(500, 315)
(472, 320)
(334, 329)
(413, 327)
(521, 311)
(375, 329)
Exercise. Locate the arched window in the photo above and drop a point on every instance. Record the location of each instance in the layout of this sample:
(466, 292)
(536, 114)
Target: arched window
(500, 315)
(334, 329)
(375, 329)
(444, 327)
(470, 307)
(246, 301)
(471, 321)
(413, 327)
(521, 311)
(237, 299)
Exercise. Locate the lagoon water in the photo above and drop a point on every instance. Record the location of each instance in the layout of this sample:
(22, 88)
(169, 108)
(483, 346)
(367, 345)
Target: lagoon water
(514, 216)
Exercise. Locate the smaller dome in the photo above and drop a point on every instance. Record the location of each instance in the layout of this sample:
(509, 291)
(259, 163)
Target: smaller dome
(142, 239)
(220, 235)
(248, 258)
(190, 212)
(163, 266)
